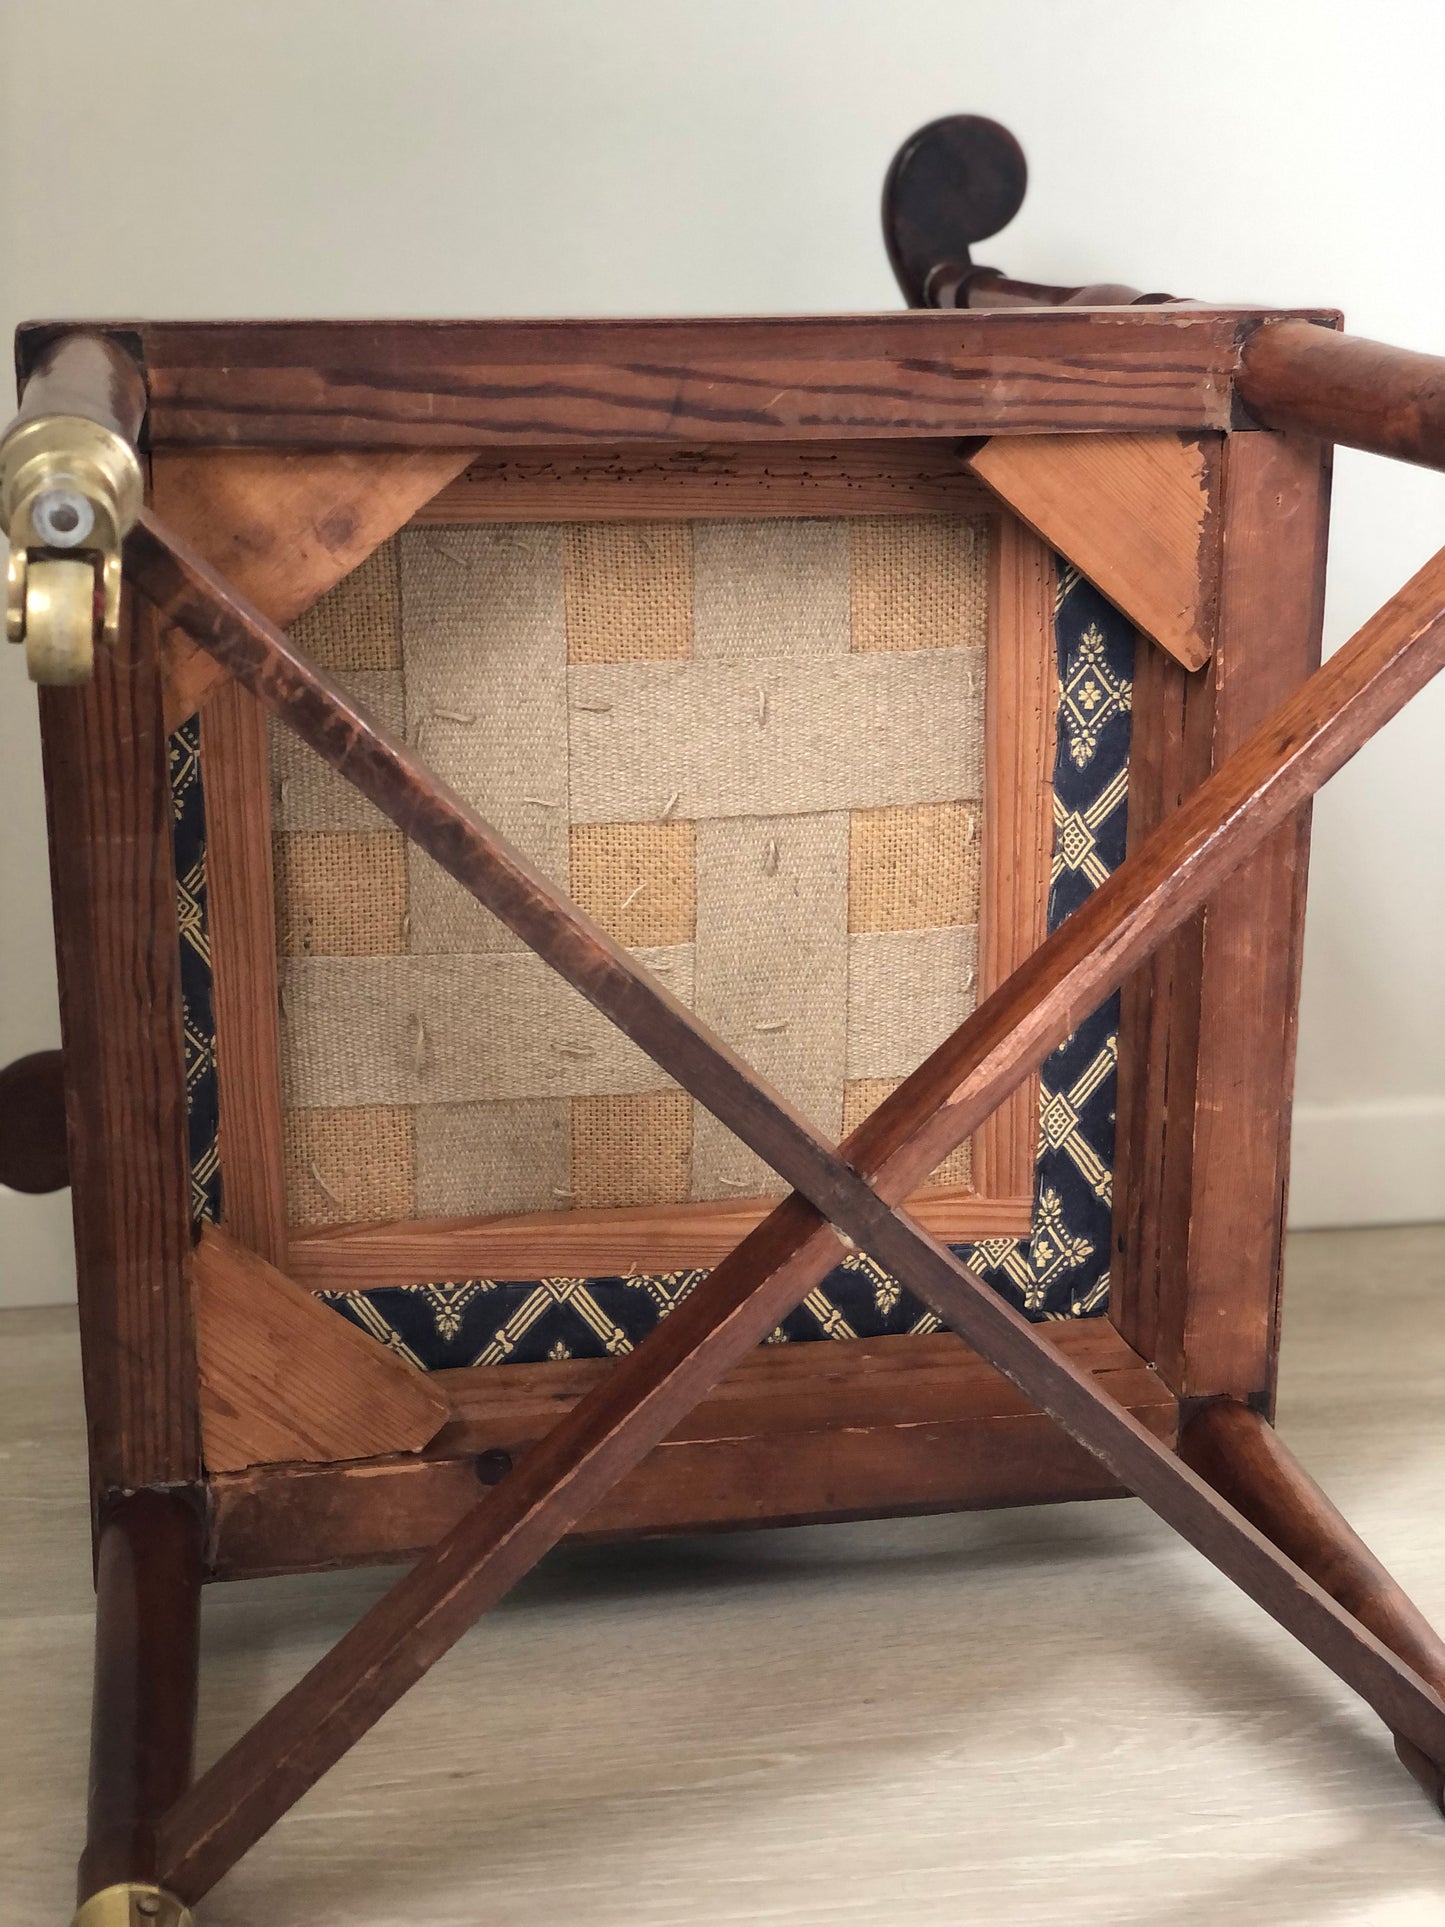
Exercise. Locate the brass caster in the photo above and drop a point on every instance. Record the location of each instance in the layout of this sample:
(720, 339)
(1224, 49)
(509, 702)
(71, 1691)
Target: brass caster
(69, 491)
(133, 1904)
(59, 628)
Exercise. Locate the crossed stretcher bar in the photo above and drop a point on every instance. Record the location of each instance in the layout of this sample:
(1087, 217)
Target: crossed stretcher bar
(841, 1196)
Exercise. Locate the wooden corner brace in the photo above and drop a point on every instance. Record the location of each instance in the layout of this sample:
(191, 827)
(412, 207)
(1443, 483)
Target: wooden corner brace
(283, 1379)
(1133, 513)
(858, 1190)
(284, 527)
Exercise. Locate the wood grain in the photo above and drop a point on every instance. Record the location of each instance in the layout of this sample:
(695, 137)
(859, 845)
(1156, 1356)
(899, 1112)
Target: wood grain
(1284, 762)
(902, 477)
(589, 1243)
(284, 527)
(665, 483)
(1207, 838)
(1244, 1458)
(241, 905)
(1308, 380)
(645, 1395)
(1207, 1063)
(1021, 720)
(81, 372)
(795, 1433)
(282, 1378)
(665, 1731)
(782, 1390)
(518, 384)
(1136, 514)
(108, 804)
(147, 1661)
(1159, 1002)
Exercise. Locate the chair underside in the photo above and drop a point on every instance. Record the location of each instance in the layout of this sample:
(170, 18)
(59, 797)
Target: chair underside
(1215, 856)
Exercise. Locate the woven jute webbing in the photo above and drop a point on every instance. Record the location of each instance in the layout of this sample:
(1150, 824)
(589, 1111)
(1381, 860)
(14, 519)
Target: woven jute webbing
(752, 751)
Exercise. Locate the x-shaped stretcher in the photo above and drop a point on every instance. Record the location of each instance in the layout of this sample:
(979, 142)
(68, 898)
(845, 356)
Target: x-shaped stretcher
(841, 1197)
(1231, 1489)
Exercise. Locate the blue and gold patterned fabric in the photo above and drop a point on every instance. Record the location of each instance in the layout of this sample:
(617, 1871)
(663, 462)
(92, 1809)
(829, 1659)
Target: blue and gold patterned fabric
(198, 1020)
(1060, 1270)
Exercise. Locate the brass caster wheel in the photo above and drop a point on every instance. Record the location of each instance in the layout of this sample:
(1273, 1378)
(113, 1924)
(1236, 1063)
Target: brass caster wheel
(60, 621)
(133, 1904)
(69, 491)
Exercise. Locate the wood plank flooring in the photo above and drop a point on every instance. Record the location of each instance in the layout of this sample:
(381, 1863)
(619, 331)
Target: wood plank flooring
(1050, 1716)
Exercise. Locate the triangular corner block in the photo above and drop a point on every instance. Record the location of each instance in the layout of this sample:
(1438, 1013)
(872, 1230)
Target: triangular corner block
(283, 1379)
(1133, 513)
(283, 527)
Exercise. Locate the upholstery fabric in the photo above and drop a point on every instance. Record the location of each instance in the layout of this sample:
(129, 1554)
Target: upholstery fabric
(198, 1023)
(1059, 1271)
(722, 736)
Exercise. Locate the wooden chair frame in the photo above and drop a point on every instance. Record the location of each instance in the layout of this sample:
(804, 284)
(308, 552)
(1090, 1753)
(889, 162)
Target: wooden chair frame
(1224, 770)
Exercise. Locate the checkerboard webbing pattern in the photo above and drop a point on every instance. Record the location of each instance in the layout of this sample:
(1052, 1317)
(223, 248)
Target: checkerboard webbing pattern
(1059, 1270)
(752, 750)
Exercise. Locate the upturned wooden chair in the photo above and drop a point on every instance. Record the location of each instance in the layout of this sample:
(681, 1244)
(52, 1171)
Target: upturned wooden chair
(928, 604)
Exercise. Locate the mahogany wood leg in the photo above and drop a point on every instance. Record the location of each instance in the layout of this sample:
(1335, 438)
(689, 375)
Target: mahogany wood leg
(1247, 1463)
(147, 1651)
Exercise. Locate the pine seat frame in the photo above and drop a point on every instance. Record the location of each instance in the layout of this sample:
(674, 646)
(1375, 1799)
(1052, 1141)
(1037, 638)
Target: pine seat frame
(280, 455)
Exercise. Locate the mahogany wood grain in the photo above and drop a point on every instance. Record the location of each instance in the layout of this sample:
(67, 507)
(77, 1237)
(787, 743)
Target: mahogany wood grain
(284, 528)
(666, 483)
(558, 1482)
(1297, 374)
(1280, 792)
(781, 1391)
(282, 1378)
(242, 912)
(147, 1651)
(1203, 1158)
(1136, 514)
(1307, 380)
(592, 1243)
(87, 373)
(1159, 1002)
(108, 801)
(32, 1123)
(520, 384)
(795, 1434)
(1021, 719)
(1245, 1460)
(646, 1394)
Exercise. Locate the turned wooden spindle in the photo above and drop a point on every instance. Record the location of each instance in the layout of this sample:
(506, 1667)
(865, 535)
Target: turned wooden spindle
(1306, 380)
(88, 375)
(960, 179)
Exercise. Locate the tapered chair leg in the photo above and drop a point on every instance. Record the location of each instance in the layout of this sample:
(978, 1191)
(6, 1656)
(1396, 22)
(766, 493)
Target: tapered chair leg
(147, 1651)
(1244, 1459)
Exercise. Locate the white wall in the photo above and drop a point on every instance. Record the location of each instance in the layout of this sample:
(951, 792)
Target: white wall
(481, 157)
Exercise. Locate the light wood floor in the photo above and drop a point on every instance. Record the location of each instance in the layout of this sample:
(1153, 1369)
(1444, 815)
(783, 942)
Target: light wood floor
(1055, 1716)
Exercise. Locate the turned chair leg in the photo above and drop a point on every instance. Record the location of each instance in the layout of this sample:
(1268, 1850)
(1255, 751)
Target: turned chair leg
(1244, 1459)
(147, 1650)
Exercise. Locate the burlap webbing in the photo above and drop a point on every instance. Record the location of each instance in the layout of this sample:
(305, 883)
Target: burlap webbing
(753, 749)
